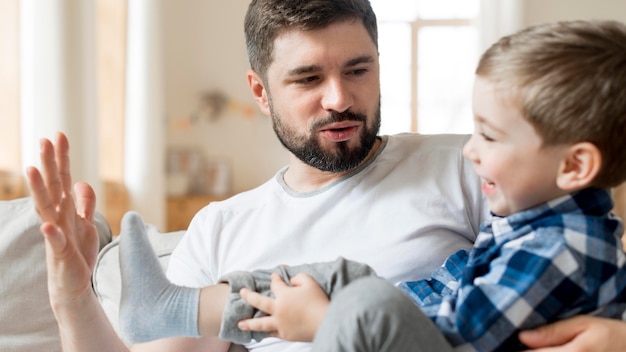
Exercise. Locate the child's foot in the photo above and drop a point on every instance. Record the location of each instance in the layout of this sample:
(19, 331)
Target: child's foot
(151, 307)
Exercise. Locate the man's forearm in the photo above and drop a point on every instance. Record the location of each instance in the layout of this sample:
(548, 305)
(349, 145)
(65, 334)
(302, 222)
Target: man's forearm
(83, 326)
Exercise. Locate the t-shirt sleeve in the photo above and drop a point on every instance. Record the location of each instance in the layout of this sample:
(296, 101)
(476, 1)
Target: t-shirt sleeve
(189, 264)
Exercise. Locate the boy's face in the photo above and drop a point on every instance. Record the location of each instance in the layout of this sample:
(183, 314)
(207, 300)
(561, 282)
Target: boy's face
(518, 171)
(323, 93)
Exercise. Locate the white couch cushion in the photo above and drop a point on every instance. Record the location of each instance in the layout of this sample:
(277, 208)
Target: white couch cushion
(27, 323)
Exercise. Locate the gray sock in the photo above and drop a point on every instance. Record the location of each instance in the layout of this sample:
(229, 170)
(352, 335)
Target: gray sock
(151, 307)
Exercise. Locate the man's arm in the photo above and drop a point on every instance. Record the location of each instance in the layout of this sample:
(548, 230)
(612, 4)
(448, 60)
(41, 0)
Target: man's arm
(202, 344)
(581, 333)
(71, 252)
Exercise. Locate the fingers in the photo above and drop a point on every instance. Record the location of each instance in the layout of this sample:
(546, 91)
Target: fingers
(267, 323)
(85, 200)
(302, 280)
(50, 171)
(55, 240)
(62, 158)
(44, 206)
(258, 301)
(52, 184)
(277, 284)
(262, 303)
(553, 334)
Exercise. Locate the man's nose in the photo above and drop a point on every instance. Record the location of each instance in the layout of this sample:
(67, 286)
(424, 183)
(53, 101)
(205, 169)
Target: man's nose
(337, 96)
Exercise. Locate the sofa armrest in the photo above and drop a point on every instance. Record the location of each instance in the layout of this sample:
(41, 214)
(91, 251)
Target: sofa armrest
(26, 320)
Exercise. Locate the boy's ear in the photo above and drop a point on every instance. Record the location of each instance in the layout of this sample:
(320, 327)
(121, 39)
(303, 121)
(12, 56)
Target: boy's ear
(580, 166)
(258, 91)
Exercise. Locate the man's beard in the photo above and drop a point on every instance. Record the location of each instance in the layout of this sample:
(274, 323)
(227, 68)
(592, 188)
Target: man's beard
(342, 157)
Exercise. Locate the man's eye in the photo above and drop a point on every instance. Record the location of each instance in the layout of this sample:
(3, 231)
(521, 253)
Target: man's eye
(359, 72)
(307, 80)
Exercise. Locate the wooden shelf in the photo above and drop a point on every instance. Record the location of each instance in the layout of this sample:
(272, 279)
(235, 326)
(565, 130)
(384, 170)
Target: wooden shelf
(180, 210)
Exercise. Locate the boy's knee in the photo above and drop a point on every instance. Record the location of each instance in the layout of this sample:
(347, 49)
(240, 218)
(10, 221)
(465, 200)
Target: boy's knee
(369, 295)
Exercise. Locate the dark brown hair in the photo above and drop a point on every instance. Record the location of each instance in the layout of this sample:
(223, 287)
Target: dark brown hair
(265, 19)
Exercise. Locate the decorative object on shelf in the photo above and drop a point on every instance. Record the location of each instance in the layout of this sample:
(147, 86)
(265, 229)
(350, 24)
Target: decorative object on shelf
(12, 185)
(211, 107)
(190, 171)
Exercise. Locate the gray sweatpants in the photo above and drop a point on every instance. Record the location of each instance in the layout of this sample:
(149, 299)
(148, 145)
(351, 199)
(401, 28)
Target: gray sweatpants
(331, 276)
(366, 312)
(371, 315)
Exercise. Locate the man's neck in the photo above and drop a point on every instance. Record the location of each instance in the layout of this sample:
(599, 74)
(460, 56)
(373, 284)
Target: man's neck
(301, 177)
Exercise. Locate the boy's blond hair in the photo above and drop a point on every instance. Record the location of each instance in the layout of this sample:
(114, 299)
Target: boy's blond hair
(569, 79)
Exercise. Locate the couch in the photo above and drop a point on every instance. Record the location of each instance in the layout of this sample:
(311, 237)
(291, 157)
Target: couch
(106, 278)
(26, 320)
(27, 323)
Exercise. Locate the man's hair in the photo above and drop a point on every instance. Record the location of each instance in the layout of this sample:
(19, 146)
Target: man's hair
(265, 19)
(569, 80)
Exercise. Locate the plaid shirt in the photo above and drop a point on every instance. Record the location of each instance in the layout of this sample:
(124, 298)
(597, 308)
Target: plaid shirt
(554, 261)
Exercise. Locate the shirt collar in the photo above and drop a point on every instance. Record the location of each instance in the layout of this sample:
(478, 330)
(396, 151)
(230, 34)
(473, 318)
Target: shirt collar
(590, 201)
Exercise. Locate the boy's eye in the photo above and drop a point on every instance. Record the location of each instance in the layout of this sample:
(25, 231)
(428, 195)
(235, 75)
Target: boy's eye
(486, 137)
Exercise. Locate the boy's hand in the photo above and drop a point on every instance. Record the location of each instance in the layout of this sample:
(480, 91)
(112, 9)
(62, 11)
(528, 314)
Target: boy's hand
(68, 227)
(295, 314)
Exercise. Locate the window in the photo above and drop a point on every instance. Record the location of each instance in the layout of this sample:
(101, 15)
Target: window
(429, 50)
(111, 72)
(9, 86)
(12, 183)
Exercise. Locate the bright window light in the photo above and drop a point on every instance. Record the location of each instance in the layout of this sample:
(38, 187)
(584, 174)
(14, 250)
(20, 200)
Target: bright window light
(429, 50)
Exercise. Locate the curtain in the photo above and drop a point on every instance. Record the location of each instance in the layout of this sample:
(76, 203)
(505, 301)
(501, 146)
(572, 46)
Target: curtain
(498, 18)
(144, 170)
(57, 84)
(58, 91)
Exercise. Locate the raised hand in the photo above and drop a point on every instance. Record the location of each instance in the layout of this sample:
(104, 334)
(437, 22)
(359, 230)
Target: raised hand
(68, 226)
(295, 314)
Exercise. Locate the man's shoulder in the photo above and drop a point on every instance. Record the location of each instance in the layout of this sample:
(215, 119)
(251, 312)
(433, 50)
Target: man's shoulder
(414, 145)
(442, 140)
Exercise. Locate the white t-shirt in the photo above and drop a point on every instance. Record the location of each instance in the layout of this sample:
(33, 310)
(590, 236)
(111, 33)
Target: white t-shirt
(403, 212)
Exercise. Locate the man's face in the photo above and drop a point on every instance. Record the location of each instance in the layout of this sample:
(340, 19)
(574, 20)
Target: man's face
(323, 91)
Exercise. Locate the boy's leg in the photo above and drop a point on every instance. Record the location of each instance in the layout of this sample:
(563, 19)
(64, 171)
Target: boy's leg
(331, 276)
(371, 315)
(150, 306)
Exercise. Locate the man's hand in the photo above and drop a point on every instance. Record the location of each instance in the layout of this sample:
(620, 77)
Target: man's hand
(68, 227)
(295, 314)
(578, 334)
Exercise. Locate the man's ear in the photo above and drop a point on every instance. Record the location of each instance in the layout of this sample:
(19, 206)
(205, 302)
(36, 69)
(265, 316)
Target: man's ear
(259, 92)
(580, 166)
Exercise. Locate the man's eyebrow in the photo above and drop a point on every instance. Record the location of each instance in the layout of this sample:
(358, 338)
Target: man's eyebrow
(365, 59)
(316, 68)
(304, 70)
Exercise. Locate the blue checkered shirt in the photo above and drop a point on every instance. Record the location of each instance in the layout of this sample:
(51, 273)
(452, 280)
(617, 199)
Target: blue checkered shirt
(551, 262)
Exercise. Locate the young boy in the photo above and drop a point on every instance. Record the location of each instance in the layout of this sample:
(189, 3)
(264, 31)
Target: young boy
(550, 116)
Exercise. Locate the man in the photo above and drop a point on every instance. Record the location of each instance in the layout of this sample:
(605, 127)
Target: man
(398, 203)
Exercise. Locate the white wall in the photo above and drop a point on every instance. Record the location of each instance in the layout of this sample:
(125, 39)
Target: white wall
(204, 49)
(540, 11)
